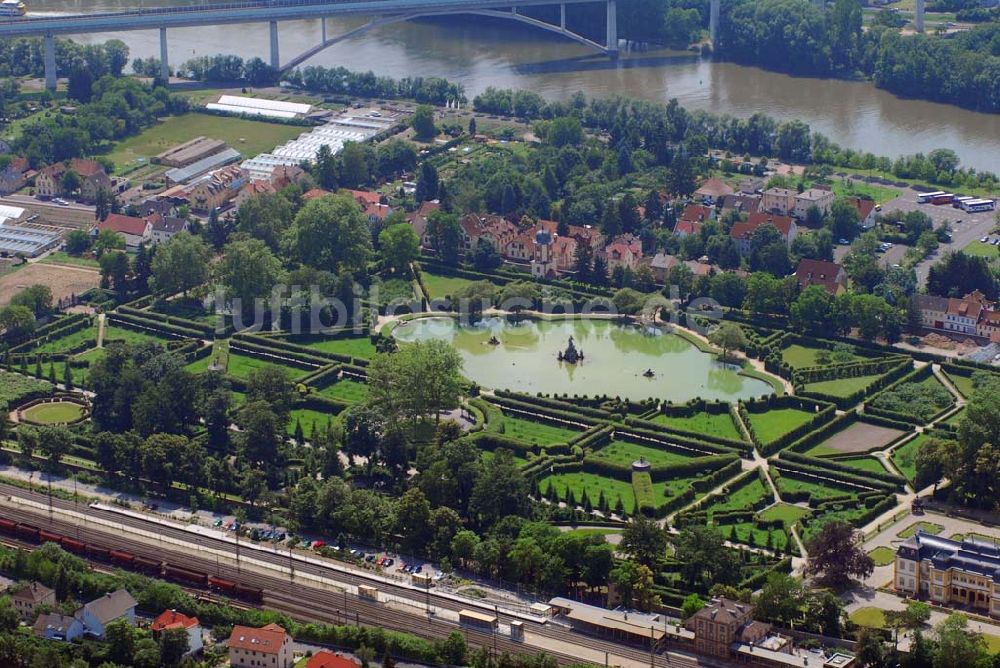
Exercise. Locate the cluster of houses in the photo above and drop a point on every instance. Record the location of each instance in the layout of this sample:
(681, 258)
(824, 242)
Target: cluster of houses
(972, 316)
(269, 646)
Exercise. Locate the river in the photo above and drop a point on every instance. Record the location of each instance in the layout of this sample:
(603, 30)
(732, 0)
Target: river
(506, 54)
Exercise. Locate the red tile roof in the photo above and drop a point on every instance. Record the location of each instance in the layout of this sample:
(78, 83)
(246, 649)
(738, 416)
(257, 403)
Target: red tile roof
(714, 188)
(687, 227)
(746, 229)
(819, 272)
(365, 196)
(315, 193)
(864, 206)
(327, 659)
(266, 640)
(171, 619)
(86, 168)
(698, 212)
(123, 224)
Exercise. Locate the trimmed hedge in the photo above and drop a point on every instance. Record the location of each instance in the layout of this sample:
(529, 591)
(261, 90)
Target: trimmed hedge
(835, 466)
(555, 409)
(153, 326)
(667, 430)
(294, 349)
(675, 441)
(862, 480)
(198, 330)
(826, 414)
(901, 369)
(699, 466)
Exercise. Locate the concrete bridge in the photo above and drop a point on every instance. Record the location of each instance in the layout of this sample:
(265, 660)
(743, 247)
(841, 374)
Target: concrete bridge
(383, 12)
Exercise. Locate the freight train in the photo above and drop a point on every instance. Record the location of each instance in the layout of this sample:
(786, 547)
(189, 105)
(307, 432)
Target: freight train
(124, 559)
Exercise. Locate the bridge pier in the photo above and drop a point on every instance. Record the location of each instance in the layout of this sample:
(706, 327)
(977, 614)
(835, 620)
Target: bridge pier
(275, 60)
(323, 30)
(164, 66)
(50, 62)
(562, 16)
(612, 38)
(918, 19)
(713, 22)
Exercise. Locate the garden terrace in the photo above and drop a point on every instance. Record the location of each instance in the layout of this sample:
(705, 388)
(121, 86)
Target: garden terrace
(849, 435)
(776, 422)
(847, 385)
(311, 349)
(917, 398)
(530, 428)
(719, 425)
(904, 456)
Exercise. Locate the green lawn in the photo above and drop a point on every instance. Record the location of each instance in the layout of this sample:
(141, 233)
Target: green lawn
(624, 452)
(55, 413)
(978, 536)
(777, 422)
(842, 387)
(787, 482)
(905, 456)
(720, 425)
(748, 534)
(785, 512)
(345, 389)
(241, 366)
(62, 257)
(870, 617)
(802, 356)
(355, 346)
(246, 136)
(979, 249)
(864, 463)
(68, 342)
(200, 365)
(536, 433)
(853, 188)
(439, 287)
(928, 527)
(962, 383)
(594, 484)
(742, 497)
(133, 336)
(310, 419)
(642, 485)
(883, 556)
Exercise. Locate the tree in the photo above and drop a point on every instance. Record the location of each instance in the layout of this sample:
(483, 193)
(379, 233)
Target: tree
(680, 176)
(55, 443)
(635, 583)
(423, 123)
(120, 637)
(728, 336)
(644, 540)
(417, 380)
(445, 236)
(563, 131)
(500, 490)
(428, 183)
(843, 220)
(959, 646)
(485, 257)
(354, 169)
(331, 233)
(180, 264)
(249, 271)
(38, 298)
(17, 321)
(781, 600)
(114, 271)
(704, 557)
(812, 309)
(174, 645)
(108, 240)
(266, 217)
(958, 274)
(69, 183)
(836, 553)
(692, 604)
(870, 650)
(413, 516)
(77, 242)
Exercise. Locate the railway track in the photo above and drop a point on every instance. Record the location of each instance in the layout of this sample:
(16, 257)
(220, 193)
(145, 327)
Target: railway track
(305, 602)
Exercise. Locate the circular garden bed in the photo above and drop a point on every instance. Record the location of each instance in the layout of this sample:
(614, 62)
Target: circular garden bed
(53, 410)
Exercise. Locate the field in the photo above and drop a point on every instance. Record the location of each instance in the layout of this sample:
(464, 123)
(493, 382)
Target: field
(593, 484)
(801, 356)
(624, 452)
(842, 387)
(777, 422)
(883, 556)
(928, 527)
(439, 287)
(859, 437)
(247, 137)
(536, 433)
(346, 390)
(63, 281)
(720, 425)
(59, 412)
(355, 346)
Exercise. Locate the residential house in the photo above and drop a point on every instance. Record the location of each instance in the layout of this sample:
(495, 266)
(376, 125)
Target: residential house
(829, 275)
(266, 647)
(559, 250)
(624, 251)
(314, 193)
(750, 185)
(495, 229)
(163, 228)
(171, 619)
(741, 203)
(778, 200)
(58, 627)
(742, 232)
(371, 205)
(949, 572)
(713, 190)
(217, 189)
(252, 189)
(820, 198)
(963, 314)
(93, 179)
(136, 231)
(683, 228)
(989, 326)
(29, 598)
(933, 310)
(866, 211)
(96, 615)
(418, 219)
(283, 176)
(327, 659)
(14, 176)
(164, 207)
(724, 623)
(661, 264)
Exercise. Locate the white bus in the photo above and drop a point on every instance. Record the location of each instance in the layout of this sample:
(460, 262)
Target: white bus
(924, 198)
(960, 200)
(977, 205)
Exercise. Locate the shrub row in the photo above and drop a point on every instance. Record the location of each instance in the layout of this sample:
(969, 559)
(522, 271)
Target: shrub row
(670, 431)
(292, 349)
(156, 327)
(757, 580)
(815, 374)
(56, 329)
(817, 436)
(671, 441)
(699, 466)
(825, 416)
(860, 480)
(323, 377)
(559, 410)
(207, 331)
(285, 351)
(273, 356)
(854, 398)
(834, 465)
(321, 403)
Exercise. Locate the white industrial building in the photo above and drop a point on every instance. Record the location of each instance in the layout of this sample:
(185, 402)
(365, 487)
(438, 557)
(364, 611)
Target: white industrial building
(252, 106)
(16, 238)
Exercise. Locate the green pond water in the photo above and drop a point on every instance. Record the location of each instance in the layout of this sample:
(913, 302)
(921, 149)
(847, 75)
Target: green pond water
(615, 358)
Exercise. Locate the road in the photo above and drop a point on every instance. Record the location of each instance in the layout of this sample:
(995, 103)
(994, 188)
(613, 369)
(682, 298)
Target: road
(300, 596)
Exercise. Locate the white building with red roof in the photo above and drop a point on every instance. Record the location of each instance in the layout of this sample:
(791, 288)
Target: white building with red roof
(171, 619)
(135, 230)
(742, 231)
(267, 647)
